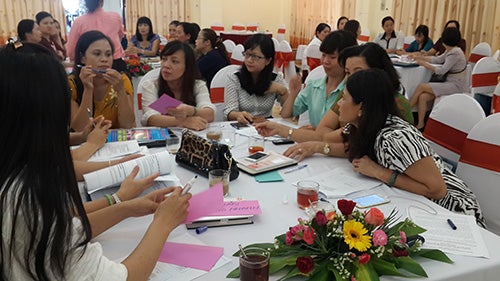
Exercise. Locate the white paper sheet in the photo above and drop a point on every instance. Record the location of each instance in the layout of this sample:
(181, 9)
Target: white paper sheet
(113, 150)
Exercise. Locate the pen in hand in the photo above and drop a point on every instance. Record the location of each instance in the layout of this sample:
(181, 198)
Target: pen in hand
(188, 185)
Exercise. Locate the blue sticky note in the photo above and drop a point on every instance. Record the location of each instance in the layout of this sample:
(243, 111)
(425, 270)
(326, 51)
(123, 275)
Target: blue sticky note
(271, 176)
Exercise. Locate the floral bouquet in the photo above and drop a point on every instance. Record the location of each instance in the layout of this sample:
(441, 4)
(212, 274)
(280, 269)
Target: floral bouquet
(136, 66)
(350, 245)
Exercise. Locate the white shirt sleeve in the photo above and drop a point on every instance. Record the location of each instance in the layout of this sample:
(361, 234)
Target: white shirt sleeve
(401, 41)
(149, 95)
(202, 96)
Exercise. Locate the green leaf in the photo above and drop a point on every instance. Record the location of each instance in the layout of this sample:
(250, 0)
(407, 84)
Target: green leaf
(335, 272)
(234, 274)
(278, 263)
(365, 272)
(433, 254)
(385, 268)
(293, 272)
(321, 275)
(410, 265)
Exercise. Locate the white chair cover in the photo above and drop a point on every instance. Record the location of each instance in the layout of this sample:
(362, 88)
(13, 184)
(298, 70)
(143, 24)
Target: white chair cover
(408, 40)
(276, 43)
(480, 51)
(496, 54)
(254, 26)
(313, 56)
(237, 55)
(229, 44)
(300, 56)
(485, 76)
(364, 37)
(138, 111)
(479, 167)
(286, 61)
(280, 35)
(217, 27)
(217, 89)
(449, 123)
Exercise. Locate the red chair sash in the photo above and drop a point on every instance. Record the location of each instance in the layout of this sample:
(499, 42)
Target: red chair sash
(238, 27)
(364, 38)
(252, 28)
(217, 95)
(475, 57)
(282, 59)
(236, 62)
(406, 45)
(495, 104)
(217, 28)
(313, 63)
(481, 154)
(281, 30)
(485, 79)
(444, 135)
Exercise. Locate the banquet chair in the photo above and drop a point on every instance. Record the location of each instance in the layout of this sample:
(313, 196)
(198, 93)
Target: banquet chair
(217, 88)
(276, 44)
(254, 26)
(496, 55)
(313, 57)
(484, 80)
(495, 102)
(479, 167)
(364, 37)
(480, 51)
(163, 42)
(286, 61)
(217, 27)
(280, 35)
(237, 26)
(449, 123)
(138, 111)
(237, 55)
(229, 44)
(408, 40)
(300, 56)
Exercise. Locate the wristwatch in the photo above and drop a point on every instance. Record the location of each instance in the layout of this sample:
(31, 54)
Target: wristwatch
(290, 132)
(326, 149)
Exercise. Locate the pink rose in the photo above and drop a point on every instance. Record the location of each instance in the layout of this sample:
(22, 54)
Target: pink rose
(321, 218)
(289, 239)
(305, 264)
(379, 238)
(309, 236)
(374, 217)
(346, 206)
(402, 237)
(364, 258)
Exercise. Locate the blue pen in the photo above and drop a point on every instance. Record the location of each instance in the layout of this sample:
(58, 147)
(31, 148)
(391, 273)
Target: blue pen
(300, 167)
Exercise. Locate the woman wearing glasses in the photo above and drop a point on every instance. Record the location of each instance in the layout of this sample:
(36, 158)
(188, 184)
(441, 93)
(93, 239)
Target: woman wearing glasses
(251, 92)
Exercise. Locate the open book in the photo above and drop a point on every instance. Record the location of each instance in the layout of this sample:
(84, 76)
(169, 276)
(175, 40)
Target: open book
(272, 162)
(155, 163)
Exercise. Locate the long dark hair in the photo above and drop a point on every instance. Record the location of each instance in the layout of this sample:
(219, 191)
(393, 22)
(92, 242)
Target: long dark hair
(375, 57)
(85, 40)
(320, 27)
(147, 21)
(38, 187)
(372, 88)
(189, 77)
(352, 26)
(424, 31)
(92, 5)
(23, 27)
(215, 42)
(341, 19)
(266, 76)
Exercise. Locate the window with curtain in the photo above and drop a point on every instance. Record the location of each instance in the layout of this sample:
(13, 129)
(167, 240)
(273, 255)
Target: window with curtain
(479, 19)
(306, 15)
(11, 12)
(161, 13)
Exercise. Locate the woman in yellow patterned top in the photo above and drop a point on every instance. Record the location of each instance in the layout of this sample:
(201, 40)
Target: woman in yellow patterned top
(96, 88)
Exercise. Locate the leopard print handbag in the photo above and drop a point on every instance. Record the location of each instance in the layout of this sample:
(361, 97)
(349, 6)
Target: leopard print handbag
(201, 156)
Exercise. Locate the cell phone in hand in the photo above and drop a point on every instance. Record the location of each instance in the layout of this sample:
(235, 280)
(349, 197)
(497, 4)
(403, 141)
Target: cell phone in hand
(282, 141)
(257, 156)
(370, 201)
(239, 125)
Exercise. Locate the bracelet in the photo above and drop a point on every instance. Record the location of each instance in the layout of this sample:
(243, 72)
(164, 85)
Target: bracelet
(392, 179)
(117, 199)
(195, 111)
(108, 197)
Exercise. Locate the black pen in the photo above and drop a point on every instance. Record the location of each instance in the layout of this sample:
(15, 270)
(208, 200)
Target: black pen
(453, 226)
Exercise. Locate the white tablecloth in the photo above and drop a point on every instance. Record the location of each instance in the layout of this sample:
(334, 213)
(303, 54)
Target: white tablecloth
(411, 77)
(280, 211)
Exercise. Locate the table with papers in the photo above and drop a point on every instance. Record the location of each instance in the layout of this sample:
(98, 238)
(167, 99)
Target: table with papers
(279, 211)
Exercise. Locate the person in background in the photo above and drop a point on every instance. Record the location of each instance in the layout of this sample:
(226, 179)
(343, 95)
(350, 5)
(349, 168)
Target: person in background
(46, 228)
(353, 26)
(109, 23)
(453, 63)
(29, 31)
(322, 30)
(213, 54)
(172, 29)
(422, 41)
(180, 79)
(319, 95)
(145, 42)
(46, 23)
(96, 88)
(341, 22)
(438, 48)
(252, 91)
(186, 33)
(57, 36)
(390, 40)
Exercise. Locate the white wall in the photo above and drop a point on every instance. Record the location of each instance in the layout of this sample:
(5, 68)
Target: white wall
(113, 6)
(370, 14)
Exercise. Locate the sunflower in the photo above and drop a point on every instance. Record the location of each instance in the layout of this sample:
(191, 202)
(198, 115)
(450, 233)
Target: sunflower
(354, 236)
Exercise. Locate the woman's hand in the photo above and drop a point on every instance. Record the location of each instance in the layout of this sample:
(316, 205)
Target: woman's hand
(269, 128)
(147, 204)
(100, 131)
(173, 210)
(196, 123)
(303, 150)
(295, 85)
(114, 78)
(182, 111)
(131, 188)
(366, 166)
(87, 77)
(243, 117)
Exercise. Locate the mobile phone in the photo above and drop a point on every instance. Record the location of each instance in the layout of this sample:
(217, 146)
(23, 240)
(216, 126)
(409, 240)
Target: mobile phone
(238, 125)
(257, 156)
(95, 70)
(370, 201)
(282, 141)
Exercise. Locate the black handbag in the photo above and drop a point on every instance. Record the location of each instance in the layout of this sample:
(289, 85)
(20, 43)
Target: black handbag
(201, 156)
(438, 78)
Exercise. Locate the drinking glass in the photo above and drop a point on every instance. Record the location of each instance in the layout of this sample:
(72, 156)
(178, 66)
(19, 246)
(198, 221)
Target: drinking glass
(255, 144)
(307, 192)
(219, 175)
(173, 145)
(254, 265)
(214, 132)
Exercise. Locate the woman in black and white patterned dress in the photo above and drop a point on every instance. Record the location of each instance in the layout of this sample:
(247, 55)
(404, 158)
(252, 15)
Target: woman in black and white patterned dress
(382, 145)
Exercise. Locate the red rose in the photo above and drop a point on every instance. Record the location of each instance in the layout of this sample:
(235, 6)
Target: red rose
(136, 69)
(289, 239)
(374, 217)
(146, 67)
(399, 253)
(309, 236)
(321, 218)
(305, 264)
(364, 258)
(346, 206)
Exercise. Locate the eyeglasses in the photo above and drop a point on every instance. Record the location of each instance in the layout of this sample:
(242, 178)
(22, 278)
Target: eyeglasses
(252, 56)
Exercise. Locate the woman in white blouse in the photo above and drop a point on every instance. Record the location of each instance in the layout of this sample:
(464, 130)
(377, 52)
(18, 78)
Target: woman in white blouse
(390, 40)
(180, 79)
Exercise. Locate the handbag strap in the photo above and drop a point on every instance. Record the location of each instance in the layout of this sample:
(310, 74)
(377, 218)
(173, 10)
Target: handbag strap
(457, 72)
